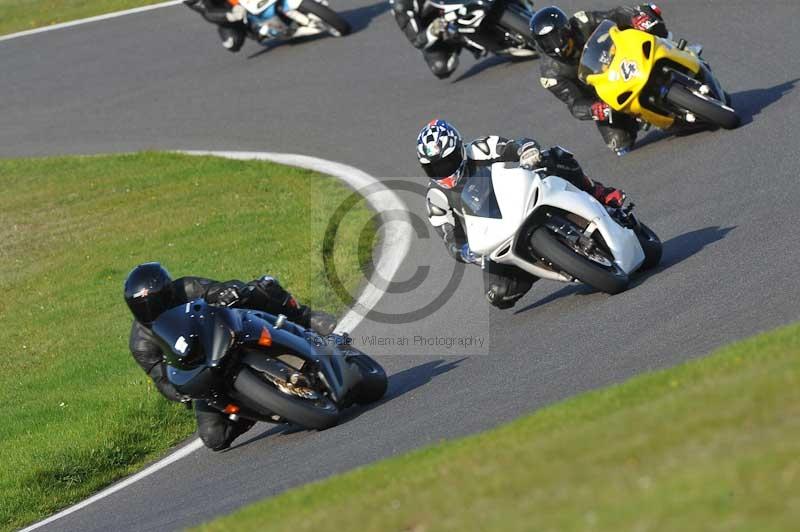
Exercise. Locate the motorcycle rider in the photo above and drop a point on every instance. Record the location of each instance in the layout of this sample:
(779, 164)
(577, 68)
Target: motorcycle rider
(230, 19)
(427, 31)
(560, 40)
(150, 290)
(449, 164)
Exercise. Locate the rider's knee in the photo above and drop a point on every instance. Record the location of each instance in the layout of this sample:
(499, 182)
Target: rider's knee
(443, 67)
(232, 39)
(504, 292)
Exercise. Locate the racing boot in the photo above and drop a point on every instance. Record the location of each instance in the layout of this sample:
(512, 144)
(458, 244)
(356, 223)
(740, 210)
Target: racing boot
(608, 196)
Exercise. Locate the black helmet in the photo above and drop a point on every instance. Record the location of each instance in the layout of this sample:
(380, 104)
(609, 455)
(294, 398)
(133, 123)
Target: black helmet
(552, 32)
(441, 152)
(149, 291)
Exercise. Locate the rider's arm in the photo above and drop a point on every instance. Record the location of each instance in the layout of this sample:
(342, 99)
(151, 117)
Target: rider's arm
(214, 11)
(644, 17)
(568, 91)
(561, 162)
(445, 223)
(408, 16)
(148, 355)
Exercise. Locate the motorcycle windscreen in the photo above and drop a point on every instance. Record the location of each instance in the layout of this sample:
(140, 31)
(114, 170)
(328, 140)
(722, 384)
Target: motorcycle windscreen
(483, 219)
(178, 330)
(196, 334)
(478, 197)
(598, 53)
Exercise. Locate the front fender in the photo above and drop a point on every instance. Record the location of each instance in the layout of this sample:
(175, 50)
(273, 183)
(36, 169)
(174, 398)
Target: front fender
(622, 242)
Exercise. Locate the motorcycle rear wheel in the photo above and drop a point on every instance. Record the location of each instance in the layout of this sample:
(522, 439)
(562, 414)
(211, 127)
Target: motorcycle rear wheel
(338, 27)
(717, 113)
(610, 280)
(317, 415)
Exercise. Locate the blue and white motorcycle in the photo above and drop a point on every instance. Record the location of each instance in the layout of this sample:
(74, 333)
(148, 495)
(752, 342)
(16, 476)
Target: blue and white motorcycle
(267, 20)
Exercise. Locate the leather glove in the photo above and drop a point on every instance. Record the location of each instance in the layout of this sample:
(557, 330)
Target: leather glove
(228, 297)
(649, 19)
(237, 14)
(601, 112)
(436, 30)
(468, 256)
(530, 155)
(321, 323)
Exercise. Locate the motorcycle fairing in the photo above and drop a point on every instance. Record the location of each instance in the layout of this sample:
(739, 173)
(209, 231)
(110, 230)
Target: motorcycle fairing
(196, 333)
(513, 189)
(618, 64)
(621, 241)
(196, 337)
(520, 194)
(339, 375)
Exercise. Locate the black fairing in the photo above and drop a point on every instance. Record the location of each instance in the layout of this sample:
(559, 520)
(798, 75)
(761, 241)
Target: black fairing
(196, 337)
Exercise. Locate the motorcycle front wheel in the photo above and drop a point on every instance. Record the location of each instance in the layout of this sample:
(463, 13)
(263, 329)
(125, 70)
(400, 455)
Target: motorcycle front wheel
(609, 279)
(337, 26)
(709, 110)
(316, 414)
(374, 383)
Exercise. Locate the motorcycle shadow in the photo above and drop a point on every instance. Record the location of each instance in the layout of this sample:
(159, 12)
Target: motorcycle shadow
(748, 104)
(490, 62)
(400, 383)
(681, 247)
(675, 251)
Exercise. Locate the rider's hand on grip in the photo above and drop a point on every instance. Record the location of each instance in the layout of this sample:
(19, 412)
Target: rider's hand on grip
(601, 112)
(530, 155)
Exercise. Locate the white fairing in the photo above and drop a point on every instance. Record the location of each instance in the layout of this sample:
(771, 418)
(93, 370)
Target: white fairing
(519, 193)
(514, 188)
(255, 7)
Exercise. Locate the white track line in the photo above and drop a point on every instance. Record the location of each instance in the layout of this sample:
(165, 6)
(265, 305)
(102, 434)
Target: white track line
(394, 246)
(90, 19)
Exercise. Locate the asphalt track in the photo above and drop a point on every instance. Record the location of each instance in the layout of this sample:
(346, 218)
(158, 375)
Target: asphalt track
(724, 204)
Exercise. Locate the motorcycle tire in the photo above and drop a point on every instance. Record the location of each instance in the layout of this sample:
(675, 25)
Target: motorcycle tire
(316, 415)
(608, 280)
(651, 245)
(339, 27)
(374, 385)
(716, 113)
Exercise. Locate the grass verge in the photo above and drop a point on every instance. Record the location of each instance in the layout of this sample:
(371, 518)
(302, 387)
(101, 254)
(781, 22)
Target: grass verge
(77, 410)
(709, 445)
(16, 15)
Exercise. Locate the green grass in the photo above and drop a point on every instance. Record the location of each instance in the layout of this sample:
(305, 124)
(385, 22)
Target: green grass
(77, 410)
(710, 445)
(16, 15)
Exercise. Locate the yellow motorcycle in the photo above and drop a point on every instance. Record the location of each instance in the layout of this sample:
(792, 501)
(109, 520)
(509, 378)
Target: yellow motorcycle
(658, 81)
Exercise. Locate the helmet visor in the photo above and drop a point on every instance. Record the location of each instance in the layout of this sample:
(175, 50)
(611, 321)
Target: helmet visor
(446, 166)
(553, 43)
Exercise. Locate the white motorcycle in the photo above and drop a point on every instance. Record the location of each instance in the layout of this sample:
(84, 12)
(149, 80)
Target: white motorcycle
(547, 227)
(286, 19)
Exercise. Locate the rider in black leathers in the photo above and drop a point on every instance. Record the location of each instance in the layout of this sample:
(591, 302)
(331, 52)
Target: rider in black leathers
(427, 31)
(450, 163)
(230, 20)
(560, 40)
(149, 290)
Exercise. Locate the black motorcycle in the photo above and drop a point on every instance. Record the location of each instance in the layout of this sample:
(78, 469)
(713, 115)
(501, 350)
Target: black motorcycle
(262, 367)
(501, 27)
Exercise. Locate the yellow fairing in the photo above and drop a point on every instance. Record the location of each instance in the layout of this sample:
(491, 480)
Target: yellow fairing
(629, 71)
